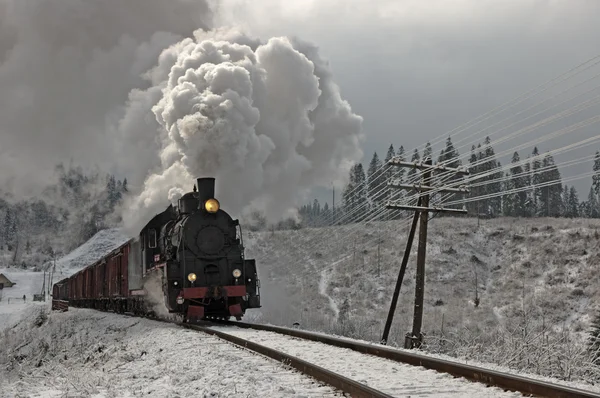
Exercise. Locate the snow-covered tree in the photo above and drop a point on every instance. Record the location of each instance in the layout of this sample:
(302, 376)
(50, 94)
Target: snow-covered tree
(376, 181)
(428, 151)
(449, 157)
(515, 203)
(596, 175)
(573, 205)
(550, 199)
(592, 210)
(412, 173)
(536, 178)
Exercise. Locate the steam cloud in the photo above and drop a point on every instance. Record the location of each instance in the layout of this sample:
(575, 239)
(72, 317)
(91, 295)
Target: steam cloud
(67, 68)
(264, 118)
(155, 298)
(143, 89)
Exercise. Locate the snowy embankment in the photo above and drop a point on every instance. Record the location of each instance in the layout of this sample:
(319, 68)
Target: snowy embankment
(91, 353)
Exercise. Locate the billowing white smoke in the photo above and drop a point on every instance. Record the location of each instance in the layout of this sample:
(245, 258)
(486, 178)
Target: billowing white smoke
(67, 68)
(264, 118)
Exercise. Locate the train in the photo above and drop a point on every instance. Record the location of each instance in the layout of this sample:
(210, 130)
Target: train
(194, 253)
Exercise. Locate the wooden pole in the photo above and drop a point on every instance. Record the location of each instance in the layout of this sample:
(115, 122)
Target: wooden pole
(417, 337)
(409, 242)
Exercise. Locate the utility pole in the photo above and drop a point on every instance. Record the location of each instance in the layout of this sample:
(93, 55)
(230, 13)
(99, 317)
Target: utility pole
(421, 252)
(414, 339)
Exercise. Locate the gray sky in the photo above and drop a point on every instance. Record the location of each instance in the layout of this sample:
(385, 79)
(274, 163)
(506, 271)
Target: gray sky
(412, 69)
(417, 69)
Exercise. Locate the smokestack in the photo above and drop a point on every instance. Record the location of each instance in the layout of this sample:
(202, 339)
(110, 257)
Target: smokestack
(206, 188)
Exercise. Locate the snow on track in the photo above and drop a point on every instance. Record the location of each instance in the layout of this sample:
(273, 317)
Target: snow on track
(393, 378)
(91, 353)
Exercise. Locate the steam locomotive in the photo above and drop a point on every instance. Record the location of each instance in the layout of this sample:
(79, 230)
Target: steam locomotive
(194, 249)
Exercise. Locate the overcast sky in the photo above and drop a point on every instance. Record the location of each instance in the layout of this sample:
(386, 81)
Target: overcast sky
(412, 69)
(417, 69)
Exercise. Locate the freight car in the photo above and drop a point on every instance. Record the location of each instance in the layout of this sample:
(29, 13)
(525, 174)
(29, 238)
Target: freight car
(195, 251)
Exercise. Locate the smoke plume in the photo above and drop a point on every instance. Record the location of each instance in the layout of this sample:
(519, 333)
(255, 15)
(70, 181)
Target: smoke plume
(144, 89)
(264, 118)
(67, 69)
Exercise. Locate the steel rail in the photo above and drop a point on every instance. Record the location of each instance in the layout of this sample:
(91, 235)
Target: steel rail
(491, 378)
(349, 386)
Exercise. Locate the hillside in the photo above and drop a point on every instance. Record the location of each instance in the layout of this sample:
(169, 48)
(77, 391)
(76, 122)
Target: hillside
(537, 281)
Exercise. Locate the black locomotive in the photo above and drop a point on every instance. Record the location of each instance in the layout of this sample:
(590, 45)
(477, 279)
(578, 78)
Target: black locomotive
(199, 249)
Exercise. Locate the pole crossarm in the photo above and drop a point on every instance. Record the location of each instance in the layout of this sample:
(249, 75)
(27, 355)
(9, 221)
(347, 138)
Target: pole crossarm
(421, 188)
(425, 166)
(393, 205)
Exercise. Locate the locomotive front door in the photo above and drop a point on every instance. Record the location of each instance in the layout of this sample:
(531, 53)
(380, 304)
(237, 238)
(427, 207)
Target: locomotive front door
(212, 275)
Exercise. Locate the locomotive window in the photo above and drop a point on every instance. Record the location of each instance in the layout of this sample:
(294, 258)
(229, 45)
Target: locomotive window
(152, 238)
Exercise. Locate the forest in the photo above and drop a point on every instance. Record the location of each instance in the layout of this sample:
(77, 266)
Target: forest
(367, 192)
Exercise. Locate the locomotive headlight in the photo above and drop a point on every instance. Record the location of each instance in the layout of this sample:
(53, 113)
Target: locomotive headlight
(237, 273)
(211, 205)
(192, 277)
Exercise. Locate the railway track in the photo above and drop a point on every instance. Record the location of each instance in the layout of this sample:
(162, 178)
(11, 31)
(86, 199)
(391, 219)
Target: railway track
(501, 381)
(446, 373)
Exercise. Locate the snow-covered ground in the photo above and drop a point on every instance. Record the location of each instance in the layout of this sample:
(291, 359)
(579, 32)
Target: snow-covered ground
(537, 281)
(393, 378)
(95, 354)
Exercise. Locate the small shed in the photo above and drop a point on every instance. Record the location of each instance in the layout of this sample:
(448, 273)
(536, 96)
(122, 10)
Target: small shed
(5, 282)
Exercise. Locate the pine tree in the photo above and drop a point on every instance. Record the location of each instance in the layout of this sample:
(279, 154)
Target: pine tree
(400, 170)
(565, 201)
(550, 202)
(472, 206)
(449, 157)
(428, 152)
(592, 205)
(515, 203)
(326, 214)
(361, 184)
(124, 187)
(355, 194)
(596, 175)
(389, 173)
(536, 164)
(316, 209)
(412, 173)
(375, 176)
(573, 204)
(493, 184)
(111, 190)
